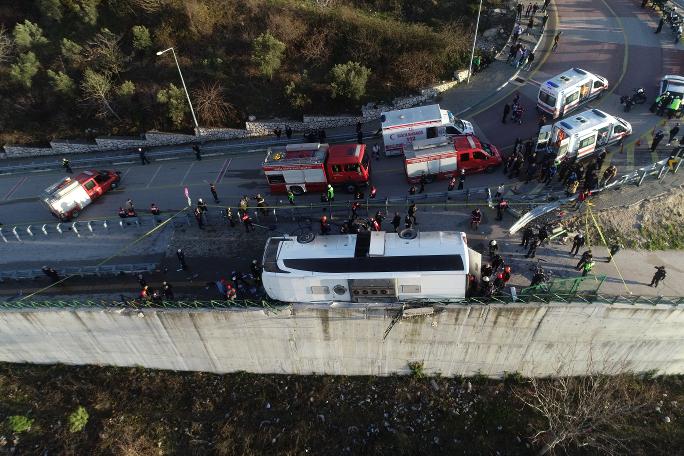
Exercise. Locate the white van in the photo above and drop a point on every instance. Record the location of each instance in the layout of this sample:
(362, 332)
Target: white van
(567, 91)
(402, 127)
(582, 134)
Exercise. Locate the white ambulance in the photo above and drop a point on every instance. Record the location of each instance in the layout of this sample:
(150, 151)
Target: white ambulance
(402, 127)
(568, 90)
(370, 266)
(582, 134)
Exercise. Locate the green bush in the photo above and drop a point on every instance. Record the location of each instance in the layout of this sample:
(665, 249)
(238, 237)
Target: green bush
(141, 37)
(416, 368)
(71, 51)
(78, 419)
(28, 35)
(61, 82)
(174, 99)
(267, 53)
(52, 9)
(19, 423)
(25, 69)
(86, 10)
(126, 89)
(349, 80)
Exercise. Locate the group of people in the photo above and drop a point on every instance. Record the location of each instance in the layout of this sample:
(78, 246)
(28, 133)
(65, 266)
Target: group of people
(520, 56)
(155, 295)
(241, 284)
(493, 275)
(667, 104)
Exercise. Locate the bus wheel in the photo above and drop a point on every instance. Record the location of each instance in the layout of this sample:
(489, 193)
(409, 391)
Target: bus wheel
(350, 188)
(297, 190)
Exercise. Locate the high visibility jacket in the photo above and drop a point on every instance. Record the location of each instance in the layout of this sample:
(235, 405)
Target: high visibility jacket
(675, 104)
(589, 265)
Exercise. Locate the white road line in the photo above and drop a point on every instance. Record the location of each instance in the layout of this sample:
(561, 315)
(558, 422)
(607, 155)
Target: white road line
(126, 172)
(153, 176)
(167, 159)
(220, 173)
(41, 170)
(225, 170)
(211, 155)
(15, 188)
(187, 172)
(123, 163)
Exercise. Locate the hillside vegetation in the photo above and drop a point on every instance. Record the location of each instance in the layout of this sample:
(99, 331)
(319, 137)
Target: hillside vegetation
(86, 67)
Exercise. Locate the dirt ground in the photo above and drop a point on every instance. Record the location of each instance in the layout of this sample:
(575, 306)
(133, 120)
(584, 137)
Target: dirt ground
(140, 412)
(652, 224)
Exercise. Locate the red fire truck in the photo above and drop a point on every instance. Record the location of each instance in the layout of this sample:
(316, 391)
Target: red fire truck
(310, 167)
(67, 198)
(442, 157)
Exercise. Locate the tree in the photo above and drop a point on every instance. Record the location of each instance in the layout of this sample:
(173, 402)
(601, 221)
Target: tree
(86, 10)
(61, 82)
(212, 108)
(78, 419)
(25, 69)
(174, 99)
(126, 89)
(141, 37)
(349, 80)
(97, 88)
(267, 53)
(6, 45)
(28, 35)
(296, 90)
(104, 53)
(72, 52)
(51, 9)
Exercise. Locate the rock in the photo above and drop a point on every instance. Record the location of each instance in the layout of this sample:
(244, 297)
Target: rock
(251, 118)
(434, 384)
(657, 409)
(268, 405)
(666, 419)
(490, 33)
(436, 440)
(469, 387)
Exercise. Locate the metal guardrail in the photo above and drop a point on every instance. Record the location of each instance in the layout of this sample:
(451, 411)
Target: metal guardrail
(546, 298)
(81, 271)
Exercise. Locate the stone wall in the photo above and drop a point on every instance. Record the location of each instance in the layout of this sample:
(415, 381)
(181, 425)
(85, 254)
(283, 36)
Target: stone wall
(304, 339)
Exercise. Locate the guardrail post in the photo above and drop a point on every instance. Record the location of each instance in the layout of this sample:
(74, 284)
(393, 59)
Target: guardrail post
(121, 224)
(275, 215)
(2, 235)
(662, 171)
(90, 226)
(59, 228)
(16, 235)
(489, 198)
(29, 231)
(137, 222)
(467, 196)
(44, 229)
(676, 168)
(105, 225)
(73, 227)
(641, 179)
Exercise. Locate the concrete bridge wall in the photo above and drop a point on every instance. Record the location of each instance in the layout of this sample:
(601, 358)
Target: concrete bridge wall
(303, 339)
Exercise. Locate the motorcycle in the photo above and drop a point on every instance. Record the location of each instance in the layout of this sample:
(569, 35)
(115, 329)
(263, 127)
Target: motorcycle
(639, 96)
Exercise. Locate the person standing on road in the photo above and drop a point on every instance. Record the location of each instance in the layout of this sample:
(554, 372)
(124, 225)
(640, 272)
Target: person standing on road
(212, 188)
(461, 179)
(532, 251)
(291, 197)
(528, 9)
(530, 61)
(376, 151)
(330, 193)
(556, 39)
(656, 140)
(673, 133)
(198, 152)
(412, 213)
(181, 259)
(500, 191)
(66, 164)
(586, 256)
(659, 275)
(534, 9)
(609, 174)
(530, 25)
(674, 106)
(614, 249)
(167, 289)
(475, 219)
(500, 208)
(506, 112)
(526, 236)
(577, 243)
(51, 273)
(587, 267)
(519, 9)
(660, 24)
(396, 221)
(198, 217)
(229, 217)
(143, 157)
(493, 248)
(452, 183)
(288, 131)
(545, 5)
(247, 221)
(423, 181)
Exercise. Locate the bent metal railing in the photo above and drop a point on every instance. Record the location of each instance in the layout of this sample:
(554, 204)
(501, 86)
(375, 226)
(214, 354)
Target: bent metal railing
(526, 298)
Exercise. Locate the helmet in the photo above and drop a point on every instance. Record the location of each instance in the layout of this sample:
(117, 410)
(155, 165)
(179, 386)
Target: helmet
(492, 242)
(254, 261)
(507, 269)
(485, 279)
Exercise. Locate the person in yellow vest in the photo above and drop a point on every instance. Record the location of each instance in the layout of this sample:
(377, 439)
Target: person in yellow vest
(674, 107)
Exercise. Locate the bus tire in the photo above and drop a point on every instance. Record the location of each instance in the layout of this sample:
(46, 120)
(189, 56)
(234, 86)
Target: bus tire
(307, 237)
(297, 190)
(350, 188)
(408, 233)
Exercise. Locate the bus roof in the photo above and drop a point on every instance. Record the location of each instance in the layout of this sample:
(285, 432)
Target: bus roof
(586, 119)
(392, 252)
(410, 116)
(566, 79)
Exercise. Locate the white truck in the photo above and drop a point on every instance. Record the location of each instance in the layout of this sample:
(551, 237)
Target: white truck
(370, 267)
(402, 127)
(569, 90)
(673, 84)
(582, 134)
(68, 197)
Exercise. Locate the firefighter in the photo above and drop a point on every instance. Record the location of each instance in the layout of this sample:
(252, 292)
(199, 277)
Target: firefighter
(129, 205)
(66, 164)
(408, 221)
(256, 271)
(231, 293)
(247, 221)
(487, 287)
(201, 205)
(475, 219)
(373, 192)
(659, 275)
(497, 262)
(532, 251)
(396, 221)
(325, 227)
(154, 210)
(168, 290)
(493, 248)
(198, 152)
(291, 197)
(500, 208)
(355, 207)
(499, 283)
(145, 293)
(375, 226)
(50, 273)
(587, 267)
(452, 183)
(486, 270)
(461, 180)
(122, 212)
(229, 216)
(198, 217)
(212, 189)
(577, 242)
(181, 258)
(261, 204)
(143, 157)
(527, 235)
(506, 274)
(412, 190)
(244, 204)
(423, 181)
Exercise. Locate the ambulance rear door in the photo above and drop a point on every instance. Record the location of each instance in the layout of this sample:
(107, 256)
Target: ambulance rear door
(543, 139)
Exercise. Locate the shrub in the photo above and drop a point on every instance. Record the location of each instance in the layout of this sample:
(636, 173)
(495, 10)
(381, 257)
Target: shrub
(349, 80)
(174, 99)
(72, 52)
(267, 53)
(86, 10)
(61, 82)
(25, 69)
(416, 368)
(78, 419)
(19, 423)
(141, 37)
(52, 9)
(28, 35)
(126, 89)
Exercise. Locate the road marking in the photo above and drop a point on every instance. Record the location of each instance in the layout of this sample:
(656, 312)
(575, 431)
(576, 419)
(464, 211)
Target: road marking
(187, 172)
(123, 163)
(41, 170)
(16, 187)
(630, 154)
(167, 159)
(221, 171)
(153, 176)
(625, 57)
(225, 170)
(126, 172)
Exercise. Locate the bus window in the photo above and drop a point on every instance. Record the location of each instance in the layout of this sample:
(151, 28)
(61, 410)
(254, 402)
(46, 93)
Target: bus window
(464, 156)
(275, 178)
(598, 84)
(571, 98)
(336, 168)
(547, 99)
(586, 142)
(477, 155)
(431, 132)
(353, 167)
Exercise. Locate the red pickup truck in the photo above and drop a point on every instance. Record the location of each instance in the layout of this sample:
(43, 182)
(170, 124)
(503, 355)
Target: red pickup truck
(67, 198)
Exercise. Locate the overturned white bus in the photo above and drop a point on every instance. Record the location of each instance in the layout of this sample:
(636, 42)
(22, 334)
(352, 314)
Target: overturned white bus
(370, 267)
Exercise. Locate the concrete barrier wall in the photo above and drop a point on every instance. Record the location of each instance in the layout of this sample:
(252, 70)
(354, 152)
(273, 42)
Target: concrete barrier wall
(456, 340)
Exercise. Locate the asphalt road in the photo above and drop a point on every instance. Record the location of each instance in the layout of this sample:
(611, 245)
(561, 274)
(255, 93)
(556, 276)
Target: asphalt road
(615, 40)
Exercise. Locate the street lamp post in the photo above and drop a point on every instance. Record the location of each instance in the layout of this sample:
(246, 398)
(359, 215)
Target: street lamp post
(472, 54)
(194, 119)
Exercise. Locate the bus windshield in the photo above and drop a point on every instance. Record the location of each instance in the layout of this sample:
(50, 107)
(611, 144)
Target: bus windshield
(547, 98)
(486, 147)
